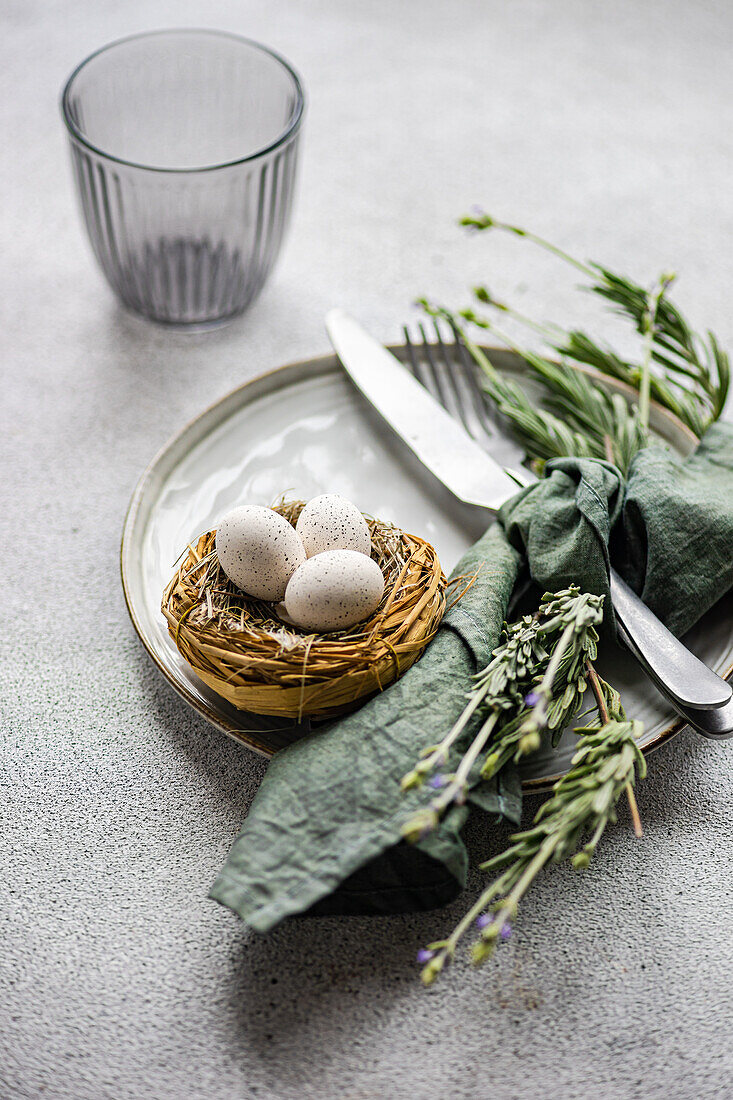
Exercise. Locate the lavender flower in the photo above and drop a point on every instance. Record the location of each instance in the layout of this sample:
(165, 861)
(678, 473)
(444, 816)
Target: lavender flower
(424, 955)
(484, 920)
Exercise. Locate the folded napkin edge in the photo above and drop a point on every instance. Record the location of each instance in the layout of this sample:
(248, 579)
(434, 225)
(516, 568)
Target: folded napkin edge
(263, 917)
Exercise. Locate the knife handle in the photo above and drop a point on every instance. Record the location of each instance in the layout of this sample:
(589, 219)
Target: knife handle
(688, 683)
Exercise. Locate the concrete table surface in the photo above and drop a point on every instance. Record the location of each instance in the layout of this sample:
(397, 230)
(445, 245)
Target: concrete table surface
(607, 128)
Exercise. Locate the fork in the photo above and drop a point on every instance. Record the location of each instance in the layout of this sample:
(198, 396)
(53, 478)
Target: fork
(704, 699)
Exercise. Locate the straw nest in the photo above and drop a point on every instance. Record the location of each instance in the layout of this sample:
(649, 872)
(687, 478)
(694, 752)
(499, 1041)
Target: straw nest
(238, 646)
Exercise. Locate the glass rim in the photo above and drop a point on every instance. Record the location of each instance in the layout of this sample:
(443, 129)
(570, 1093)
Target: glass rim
(291, 128)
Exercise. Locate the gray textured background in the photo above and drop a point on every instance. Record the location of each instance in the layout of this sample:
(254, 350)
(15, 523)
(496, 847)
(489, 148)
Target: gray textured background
(608, 127)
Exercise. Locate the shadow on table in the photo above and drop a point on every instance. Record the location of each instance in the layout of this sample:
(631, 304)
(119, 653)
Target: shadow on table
(147, 367)
(313, 979)
(228, 770)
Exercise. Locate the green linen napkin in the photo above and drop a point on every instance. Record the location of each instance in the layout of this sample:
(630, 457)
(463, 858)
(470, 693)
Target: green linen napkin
(328, 814)
(669, 528)
(323, 833)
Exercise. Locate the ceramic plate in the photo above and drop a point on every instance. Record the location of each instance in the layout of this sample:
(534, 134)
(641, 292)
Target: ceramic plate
(304, 430)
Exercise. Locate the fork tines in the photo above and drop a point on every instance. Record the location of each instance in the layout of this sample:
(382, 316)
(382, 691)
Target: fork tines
(445, 369)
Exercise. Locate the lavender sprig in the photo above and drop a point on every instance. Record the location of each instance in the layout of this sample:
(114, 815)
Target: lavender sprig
(534, 681)
(605, 765)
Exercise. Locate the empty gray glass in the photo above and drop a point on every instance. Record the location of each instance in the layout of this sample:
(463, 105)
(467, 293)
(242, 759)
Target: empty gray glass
(184, 146)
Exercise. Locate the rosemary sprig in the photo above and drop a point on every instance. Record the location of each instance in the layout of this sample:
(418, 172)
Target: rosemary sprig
(581, 418)
(534, 682)
(692, 372)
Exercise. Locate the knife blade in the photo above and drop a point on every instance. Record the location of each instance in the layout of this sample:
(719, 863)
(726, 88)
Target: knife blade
(429, 431)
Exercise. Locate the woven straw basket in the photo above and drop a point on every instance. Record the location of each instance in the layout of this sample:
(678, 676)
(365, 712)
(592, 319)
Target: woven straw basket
(260, 664)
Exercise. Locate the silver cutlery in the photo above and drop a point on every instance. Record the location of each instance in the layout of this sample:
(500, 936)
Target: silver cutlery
(443, 418)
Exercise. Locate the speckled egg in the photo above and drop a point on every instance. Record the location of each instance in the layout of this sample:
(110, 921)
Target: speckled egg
(258, 550)
(330, 522)
(333, 590)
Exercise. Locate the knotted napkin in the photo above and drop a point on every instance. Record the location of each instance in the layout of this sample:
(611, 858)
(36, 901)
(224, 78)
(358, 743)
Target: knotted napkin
(324, 831)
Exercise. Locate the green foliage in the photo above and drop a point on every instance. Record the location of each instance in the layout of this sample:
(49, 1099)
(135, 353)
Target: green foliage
(686, 372)
(541, 658)
(579, 418)
(534, 682)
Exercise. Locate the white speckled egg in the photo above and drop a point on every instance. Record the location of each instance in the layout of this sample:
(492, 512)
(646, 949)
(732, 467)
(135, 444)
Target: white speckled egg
(331, 522)
(333, 590)
(258, 550)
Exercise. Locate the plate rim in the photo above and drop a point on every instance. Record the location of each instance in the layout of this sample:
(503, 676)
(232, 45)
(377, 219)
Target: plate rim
(316, 365)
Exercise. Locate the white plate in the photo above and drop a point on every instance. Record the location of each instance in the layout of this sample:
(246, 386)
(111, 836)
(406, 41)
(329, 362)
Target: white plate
(304, 430)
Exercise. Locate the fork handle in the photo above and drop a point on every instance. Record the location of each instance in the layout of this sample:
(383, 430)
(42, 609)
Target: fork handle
(688, 683)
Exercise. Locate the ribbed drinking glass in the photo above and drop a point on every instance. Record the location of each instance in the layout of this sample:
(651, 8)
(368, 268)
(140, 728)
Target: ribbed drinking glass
(184, 147)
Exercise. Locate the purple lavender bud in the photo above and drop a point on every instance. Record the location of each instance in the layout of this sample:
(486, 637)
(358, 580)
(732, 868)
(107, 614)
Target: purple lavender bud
(484, 920)
(531, 699)
(424, 955)
(437, 781)
(506, 931)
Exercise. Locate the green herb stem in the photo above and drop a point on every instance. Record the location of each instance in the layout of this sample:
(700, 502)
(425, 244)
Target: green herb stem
(649, 329)
(439, 753)
(597, 690)
(693, 372)
(456, 787)
(484, 222)
(538, 715)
